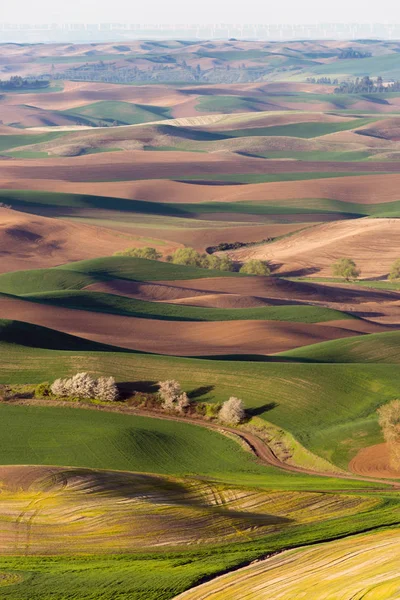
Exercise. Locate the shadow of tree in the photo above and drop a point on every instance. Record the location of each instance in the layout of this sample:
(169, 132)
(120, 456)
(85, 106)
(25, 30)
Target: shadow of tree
(259, 410)
(200, 391)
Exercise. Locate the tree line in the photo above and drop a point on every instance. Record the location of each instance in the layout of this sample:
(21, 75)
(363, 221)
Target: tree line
(367, 85)
(18, 83)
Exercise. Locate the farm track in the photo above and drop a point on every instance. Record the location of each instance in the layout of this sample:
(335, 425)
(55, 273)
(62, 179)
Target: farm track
(255, 444)
(264, 452)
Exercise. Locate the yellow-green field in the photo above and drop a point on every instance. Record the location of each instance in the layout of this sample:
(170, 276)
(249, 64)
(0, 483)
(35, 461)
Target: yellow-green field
(360, 568)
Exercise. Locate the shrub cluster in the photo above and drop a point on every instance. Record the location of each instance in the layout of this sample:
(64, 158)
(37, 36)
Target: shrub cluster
(172, 396)
(232, 412)
(190, 257)
(146, 252)
(256, 267)
(84, 386)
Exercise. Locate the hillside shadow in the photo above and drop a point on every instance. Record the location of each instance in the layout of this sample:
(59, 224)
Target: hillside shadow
(306, 272)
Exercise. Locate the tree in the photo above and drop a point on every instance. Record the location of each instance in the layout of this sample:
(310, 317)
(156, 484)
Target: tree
(186, 256)
(169, 390)
(218, 263)
(182, 403)
(146, 252)
(256, 267)
(60, 387)
(106, 389)
(82, 385)
(395, 270)
(389, 420)
(232, 411)
(346, 268)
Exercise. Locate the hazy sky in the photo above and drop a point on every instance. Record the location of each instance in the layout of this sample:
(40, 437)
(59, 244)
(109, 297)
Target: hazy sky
(204, 12)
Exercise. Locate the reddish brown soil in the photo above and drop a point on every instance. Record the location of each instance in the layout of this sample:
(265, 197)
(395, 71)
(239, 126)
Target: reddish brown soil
(314, 250)
(172, 337)
(29, 242)
(374, 461)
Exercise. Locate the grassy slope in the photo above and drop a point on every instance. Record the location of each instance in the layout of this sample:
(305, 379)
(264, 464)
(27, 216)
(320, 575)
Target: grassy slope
(300, 130)
(75, 276)
(325, 406)
(123, 113)
(50, 203)
(7, 142)
(373, 348)
(120, 305)
(118, 442)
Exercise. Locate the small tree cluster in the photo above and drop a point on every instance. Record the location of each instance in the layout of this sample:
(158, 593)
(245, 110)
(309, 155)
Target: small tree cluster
(256, 267)
(394, 273)
(389, 420)
(232, 411)
(190, 257)
(146, 252)
(346, 268)
(172, 396)
(84, 386)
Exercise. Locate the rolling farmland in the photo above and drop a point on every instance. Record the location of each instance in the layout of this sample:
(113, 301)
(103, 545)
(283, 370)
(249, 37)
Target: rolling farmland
(180, 211)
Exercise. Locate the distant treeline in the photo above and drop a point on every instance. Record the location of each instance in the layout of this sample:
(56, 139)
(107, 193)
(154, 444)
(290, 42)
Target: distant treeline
(351, 53)
(18, 83)
(367, 85)
(326, 80)
(162, 73)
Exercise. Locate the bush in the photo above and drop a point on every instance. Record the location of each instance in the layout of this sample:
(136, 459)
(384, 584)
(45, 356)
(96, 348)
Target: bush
(256, 267)
(212, 410)
(187, 256)
(395, 270)
(146, 252)
(232, 411)
(83, 386)
(106, 389)
(218, 263)
(42, 390)
(346, 268)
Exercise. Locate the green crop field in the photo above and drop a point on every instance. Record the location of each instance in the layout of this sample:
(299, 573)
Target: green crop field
(80, 274)
(327, 407)
(120, 305)
(121, 113)
(300, 130)
(373, 348)
(8, 142)
(51, 203)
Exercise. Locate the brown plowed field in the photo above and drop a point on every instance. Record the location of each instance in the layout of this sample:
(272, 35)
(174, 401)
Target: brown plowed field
(173, 337)
(373, 244)
(130, 165)
(364, 189)
(29, 242)
(374, 461)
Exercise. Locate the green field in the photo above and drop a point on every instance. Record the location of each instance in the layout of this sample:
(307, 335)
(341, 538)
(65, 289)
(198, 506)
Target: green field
(53, 203)
(121, 305)
(77, 275)
(300, 130)
(8, 142)
(119, 113)
(327, 407)
(373, 348)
